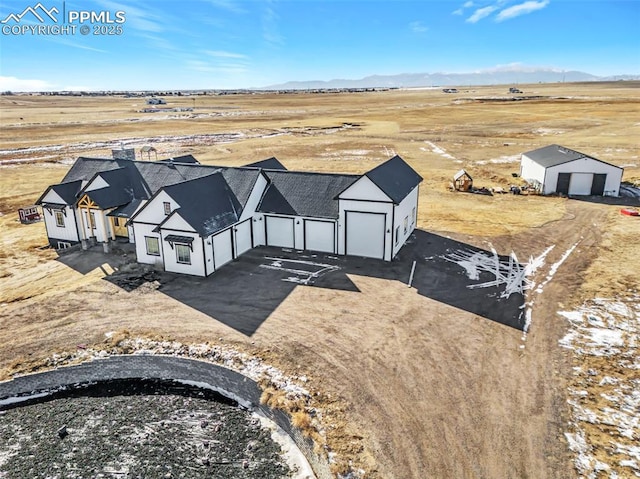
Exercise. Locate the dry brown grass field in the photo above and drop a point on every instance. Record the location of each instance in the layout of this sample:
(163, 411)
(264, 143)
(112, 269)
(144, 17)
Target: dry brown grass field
(411, 387)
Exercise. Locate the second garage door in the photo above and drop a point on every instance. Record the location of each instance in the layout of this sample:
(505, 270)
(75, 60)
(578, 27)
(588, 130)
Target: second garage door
(279, 231)
(319, 236)
(365, 234)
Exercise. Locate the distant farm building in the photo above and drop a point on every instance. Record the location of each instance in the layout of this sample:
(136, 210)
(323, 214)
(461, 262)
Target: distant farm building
(147, 150)
(556, 169)
(29, 214)
(462, 181)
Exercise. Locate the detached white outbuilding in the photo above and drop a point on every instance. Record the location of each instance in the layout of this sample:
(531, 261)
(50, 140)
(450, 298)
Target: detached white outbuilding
(561, 170)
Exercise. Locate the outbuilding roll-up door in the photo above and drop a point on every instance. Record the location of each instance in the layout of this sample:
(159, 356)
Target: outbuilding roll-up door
(580, 183)
(242, 234)
(319, 236)
(279, 231)
(365, 234)
(222, 248)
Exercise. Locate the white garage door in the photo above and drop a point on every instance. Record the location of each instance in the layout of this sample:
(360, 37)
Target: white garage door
(279, 231)
(242, 233)
(222, 249)
(319, 236)
(365, 234)
(580, 183)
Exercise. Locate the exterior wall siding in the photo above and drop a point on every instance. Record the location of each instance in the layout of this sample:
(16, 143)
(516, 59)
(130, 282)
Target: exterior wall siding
(364, 188)
(402, 211)
(154, 210)
(530, 170)
(140, 232)
(197, 260)
(68, 233)
(254, 198)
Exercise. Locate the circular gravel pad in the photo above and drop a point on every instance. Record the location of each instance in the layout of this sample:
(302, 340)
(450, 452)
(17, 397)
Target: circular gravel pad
(136, 429)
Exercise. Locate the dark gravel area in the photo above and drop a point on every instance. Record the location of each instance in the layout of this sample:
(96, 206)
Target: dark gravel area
(136, 429)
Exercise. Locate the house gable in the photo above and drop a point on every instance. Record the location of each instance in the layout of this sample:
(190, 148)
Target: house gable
(364, 190)
(153, 211)
(96, 183)
(176, 222)
(51, 197)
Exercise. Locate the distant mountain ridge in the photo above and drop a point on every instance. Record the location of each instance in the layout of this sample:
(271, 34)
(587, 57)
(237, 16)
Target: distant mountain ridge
(486, 77)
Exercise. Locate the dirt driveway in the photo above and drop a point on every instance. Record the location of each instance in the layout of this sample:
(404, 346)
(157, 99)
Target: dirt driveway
(437, 378)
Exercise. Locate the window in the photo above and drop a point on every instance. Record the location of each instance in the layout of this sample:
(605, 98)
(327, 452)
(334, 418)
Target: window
(59, 218)
(413, 216)
(116, 221)
(406, 224)
(167, 208)
(183, 253)
(397, 234)
(153, 246)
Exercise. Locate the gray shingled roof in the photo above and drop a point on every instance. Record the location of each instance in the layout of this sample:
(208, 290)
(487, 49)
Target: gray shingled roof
(304, 194)
(553, 155)
(241, 182)
(269, 164)
(67, 191)
(395, 177)
(207, 204)
(119, 192)
(126, 211)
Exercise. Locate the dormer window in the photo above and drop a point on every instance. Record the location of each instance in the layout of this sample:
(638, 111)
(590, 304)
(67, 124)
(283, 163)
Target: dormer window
(167, 208)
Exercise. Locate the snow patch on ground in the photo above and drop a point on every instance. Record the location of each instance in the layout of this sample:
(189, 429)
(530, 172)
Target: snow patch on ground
(438, 151)
(500, 160)
(605, 395)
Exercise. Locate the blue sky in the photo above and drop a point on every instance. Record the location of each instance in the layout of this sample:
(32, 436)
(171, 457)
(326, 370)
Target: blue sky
(240, 44)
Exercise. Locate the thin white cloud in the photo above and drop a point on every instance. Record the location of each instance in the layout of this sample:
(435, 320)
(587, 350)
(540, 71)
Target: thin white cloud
(270, 32)
(521, 9)
(481, 13)
(74, 44)
(228, 5)
(206, 67)
(224, 54)
(460, 10)
(135, 17)
(418, 27)
(22, 84)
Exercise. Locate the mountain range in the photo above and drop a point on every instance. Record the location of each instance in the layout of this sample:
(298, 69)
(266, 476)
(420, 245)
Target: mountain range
(484, 77)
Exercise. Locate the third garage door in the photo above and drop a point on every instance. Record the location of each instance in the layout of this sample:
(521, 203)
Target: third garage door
(365, 234)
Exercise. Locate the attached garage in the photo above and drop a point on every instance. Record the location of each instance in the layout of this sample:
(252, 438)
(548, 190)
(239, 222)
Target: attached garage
(279, 231)
(320, 236)
(242, 234)
(556, 169)
(222, 248)
(365, 234)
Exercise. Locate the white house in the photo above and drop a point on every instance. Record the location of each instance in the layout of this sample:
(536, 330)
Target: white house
(189, 218)
(557, 169)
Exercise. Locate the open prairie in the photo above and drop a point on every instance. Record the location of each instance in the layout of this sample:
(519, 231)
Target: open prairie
(408, 386)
